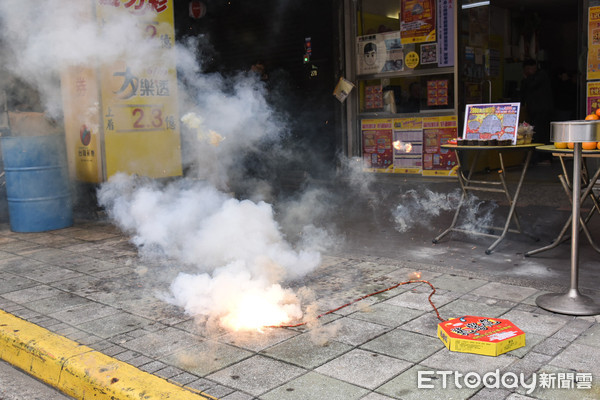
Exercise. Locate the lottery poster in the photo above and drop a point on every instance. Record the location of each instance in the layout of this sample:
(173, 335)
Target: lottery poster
(437, 131)
(492, 121)
(377, 145)
(417, 21)
(408, 145)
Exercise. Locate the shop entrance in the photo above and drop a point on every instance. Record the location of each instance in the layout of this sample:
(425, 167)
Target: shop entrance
(497, 37)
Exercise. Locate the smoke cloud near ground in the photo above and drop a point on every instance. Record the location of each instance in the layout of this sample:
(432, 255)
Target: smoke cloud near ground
(419, 209)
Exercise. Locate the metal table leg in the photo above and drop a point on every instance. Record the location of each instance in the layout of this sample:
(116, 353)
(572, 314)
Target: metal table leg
(564, 180)
(572, 302)
(513, 204)
(464, 182)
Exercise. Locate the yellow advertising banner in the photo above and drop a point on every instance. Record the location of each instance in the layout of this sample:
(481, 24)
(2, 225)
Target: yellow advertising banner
(139, 100)
(593, 59)
(82, 123)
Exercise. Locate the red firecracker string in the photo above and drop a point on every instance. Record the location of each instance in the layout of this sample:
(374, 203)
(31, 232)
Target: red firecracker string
(367, 296)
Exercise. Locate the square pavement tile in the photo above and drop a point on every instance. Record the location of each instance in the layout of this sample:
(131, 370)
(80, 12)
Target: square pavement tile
(407, 386)
(418, 300)
(10, 283)
(460, 307)
(580, 357)
(206, 357)
(354, 332)
(364, 368)
(115, 324)
(61, 302)
(405, 345)
(540, 324)
(458, 284)
(257, 341)
(426, 324)
(257, 375)
(376, 396)
(163, 342)
(31, 294)
(314, 386)
(504, 292)
(50, 273)
(307, 351)
(83, 313)
(590, 337)
(466, 362)
(386, 314)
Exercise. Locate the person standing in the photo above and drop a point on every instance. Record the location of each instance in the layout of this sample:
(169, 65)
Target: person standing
(537, 100)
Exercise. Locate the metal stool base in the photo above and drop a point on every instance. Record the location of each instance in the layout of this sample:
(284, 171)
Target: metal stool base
(570, 303)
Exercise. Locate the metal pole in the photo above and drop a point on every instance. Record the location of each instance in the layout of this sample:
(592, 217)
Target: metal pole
(573, 290)
(572, 302)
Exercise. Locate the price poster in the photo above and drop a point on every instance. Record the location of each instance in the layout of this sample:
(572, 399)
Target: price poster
(377, 145)
(139, 111)
(492, 121)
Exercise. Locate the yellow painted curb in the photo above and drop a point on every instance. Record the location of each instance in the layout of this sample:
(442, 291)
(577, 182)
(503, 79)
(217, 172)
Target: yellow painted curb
(80, 371)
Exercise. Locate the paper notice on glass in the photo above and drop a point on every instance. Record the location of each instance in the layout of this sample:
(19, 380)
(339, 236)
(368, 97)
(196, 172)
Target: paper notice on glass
(381, 52)
(343, 89)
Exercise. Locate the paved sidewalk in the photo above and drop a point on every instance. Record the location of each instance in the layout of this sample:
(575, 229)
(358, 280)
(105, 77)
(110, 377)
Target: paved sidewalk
(87, 283)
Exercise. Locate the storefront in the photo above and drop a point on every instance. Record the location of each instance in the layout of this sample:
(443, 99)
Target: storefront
(416, 64)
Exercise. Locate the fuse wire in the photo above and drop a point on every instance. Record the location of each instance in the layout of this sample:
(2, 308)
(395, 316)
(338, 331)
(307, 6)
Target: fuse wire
(366, 297)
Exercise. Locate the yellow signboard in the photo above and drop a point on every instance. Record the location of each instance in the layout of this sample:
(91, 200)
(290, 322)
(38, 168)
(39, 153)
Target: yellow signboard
(139, 99)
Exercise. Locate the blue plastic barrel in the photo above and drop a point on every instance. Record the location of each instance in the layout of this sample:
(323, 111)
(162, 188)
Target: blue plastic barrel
(37, 183)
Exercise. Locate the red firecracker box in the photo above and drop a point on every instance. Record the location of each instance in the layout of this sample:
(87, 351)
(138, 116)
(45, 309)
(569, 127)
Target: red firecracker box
(480, 335)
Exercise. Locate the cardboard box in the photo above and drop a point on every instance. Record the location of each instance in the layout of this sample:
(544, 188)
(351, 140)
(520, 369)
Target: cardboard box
(480, 335)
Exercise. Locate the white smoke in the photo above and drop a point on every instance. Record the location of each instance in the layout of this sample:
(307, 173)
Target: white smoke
(420, 208)
(235, 255)
(236, 247)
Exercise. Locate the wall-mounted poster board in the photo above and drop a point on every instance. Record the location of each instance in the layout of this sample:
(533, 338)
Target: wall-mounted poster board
(492, 121)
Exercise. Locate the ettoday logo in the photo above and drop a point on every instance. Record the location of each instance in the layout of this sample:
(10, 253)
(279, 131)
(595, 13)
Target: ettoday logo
(505, 380)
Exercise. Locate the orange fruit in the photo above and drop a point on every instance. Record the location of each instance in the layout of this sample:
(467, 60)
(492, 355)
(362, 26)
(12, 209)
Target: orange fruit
(598, 145)
(592, 117)
(570, 145)
(597, 112)
(588, 145)
(560, 145)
